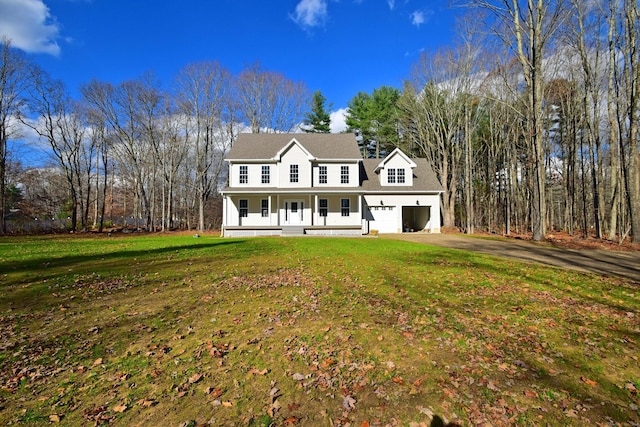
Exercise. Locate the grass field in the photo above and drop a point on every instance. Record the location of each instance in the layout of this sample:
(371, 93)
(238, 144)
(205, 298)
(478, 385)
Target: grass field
(174, 330)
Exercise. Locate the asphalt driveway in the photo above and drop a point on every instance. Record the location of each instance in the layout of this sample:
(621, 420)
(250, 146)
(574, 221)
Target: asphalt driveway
(609, 263)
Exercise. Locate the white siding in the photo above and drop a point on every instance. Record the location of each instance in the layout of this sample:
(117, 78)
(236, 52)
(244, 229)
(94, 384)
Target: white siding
(294, 156)
(397, 162)
(334, 175)
(334, 211)
(385, 211)
(254, 213)
(254, 175)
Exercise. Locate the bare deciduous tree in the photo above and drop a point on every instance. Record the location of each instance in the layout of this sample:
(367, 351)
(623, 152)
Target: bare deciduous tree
(57, 121)
(269, 102)
(527, 26)
(203, 98)
(13, 82)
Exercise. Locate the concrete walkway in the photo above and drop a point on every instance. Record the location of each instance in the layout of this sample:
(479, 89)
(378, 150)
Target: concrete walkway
(609, 263)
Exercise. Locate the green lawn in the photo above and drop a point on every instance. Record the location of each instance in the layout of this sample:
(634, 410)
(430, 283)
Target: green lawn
(175, 330)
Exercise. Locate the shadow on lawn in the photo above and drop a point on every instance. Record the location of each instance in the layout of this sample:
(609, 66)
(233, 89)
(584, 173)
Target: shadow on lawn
(32, 279)
(66, 261)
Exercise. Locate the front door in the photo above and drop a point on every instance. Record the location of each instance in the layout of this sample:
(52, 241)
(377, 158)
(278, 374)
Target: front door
(293, 212)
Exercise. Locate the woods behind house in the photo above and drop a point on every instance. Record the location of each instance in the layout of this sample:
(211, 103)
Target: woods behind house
(530, 121)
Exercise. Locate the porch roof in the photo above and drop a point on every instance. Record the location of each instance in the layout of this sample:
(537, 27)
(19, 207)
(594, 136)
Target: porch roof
(295, 190)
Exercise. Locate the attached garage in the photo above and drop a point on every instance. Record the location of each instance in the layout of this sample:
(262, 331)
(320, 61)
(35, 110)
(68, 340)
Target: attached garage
(415, 218)
(383, 219)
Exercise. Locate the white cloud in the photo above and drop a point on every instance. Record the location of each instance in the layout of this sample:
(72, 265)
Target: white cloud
(392, 4)
(310, 13)
(338, 120)
(417, 18)
(29, 26)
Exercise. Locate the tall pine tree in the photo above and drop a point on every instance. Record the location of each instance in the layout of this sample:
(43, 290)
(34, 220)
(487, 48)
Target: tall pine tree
(317, 120)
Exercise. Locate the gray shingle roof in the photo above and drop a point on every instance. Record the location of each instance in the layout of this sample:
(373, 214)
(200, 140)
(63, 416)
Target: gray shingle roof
(254, 146)
(325, 146)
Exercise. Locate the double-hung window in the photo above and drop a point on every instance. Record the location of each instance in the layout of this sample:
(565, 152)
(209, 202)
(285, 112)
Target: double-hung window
(265, 207)
(293, 173)
(344, 174)
(324, 206)
(322, 175)
(244, 208)
(244, 174)
(400, 176)
(344, 207)
(391, 176)
(266, 174)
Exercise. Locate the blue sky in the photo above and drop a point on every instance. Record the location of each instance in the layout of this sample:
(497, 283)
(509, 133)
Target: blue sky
(340, 47)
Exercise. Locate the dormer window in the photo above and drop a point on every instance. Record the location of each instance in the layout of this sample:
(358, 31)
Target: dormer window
(400, 176)
(293, 173)
(391, 176)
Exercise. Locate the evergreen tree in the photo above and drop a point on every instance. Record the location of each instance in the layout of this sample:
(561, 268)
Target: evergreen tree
(374, 119)
(317, 120)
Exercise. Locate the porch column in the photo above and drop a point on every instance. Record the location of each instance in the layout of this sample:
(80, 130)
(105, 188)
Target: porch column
(278, 209)
(360, 208)
(315, 213)
(224, 214)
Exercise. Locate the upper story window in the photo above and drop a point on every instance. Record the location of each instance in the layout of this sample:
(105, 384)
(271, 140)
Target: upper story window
(293, 173)
(244, 174)
(391, 176)
(344, 174)
(400, 173)
(266, 174)
(322, 174)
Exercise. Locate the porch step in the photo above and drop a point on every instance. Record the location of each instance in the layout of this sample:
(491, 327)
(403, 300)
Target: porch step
(293, 230)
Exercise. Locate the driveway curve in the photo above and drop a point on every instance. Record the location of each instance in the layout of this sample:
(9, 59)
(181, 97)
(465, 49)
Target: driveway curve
(609, 263)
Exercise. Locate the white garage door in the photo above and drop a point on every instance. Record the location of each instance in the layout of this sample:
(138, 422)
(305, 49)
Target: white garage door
(385, 219)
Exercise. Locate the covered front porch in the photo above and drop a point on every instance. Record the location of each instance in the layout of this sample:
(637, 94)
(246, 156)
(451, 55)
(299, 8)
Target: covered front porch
(290, 213)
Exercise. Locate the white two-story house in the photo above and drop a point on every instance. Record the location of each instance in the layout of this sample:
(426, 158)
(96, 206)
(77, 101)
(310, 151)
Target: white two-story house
(319, 184)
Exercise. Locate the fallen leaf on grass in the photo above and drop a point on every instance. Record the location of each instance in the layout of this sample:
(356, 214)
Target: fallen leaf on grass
(254, 371)
(291, 421)
(631, 388)
(145, 403)
(119, 408)
(293, 407)
(588, 381)
(54, 418)
(398, 380)
(426, 411)
(227, 404)
(97, 362)
(217, 392)
(195, 378)
(349, 403)
(419, 381)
